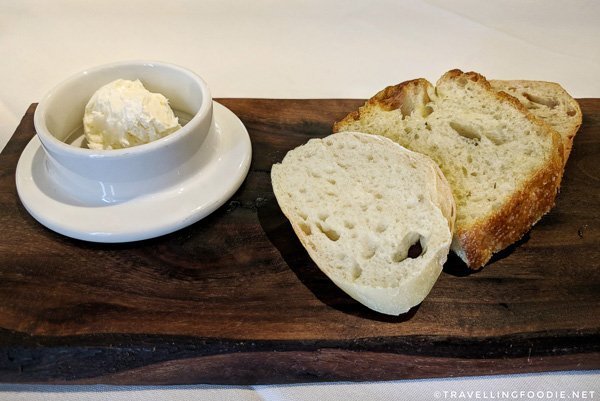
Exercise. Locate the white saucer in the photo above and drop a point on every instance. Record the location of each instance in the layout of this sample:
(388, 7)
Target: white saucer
(226, 154)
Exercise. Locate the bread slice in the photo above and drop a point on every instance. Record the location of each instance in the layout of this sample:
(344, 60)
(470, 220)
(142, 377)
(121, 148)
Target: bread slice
(549, 102)
(376, 218)
(504, 165)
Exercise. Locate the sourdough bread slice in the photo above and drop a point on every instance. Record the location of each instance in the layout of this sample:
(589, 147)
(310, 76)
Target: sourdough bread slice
(504, 165)
(361, 205)
(549, 102)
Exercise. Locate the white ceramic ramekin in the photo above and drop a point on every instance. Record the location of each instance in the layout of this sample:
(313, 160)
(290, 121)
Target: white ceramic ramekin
(107, 176)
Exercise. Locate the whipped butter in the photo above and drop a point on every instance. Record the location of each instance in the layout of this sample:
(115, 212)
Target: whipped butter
(124, 113)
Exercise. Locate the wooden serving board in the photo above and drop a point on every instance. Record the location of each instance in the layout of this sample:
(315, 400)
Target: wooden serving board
(235, 298)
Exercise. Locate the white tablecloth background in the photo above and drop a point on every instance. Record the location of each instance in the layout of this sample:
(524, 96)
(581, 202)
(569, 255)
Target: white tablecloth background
(300, 49)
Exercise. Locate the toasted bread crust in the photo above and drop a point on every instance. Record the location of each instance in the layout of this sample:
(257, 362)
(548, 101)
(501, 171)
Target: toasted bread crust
(476, 244)
(389, 98)
(393, 97)
(471, 76)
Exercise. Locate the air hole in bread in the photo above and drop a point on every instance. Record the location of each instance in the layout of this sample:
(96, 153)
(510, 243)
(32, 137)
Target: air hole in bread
(323, 216)
(571, 112)
(368, 252)
(315, 174)
(462, 81)
(426, 111)
(407, 107)
(302, 215)
(411, 247)
(305, 228)
(370, 157)
(368, 248)
(552, 103)
(329, 232)
(415, 250)
(381, 227)
(377, 195)
(348, 224)
(469, 159)
(356, 272)
(465, 131)
(331, 181)
(302, 190)
(398, 257)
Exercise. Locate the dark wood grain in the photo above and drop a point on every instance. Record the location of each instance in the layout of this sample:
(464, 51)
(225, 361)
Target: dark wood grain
(235, 298)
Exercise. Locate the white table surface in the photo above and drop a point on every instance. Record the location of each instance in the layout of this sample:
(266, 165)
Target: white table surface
(302, 49)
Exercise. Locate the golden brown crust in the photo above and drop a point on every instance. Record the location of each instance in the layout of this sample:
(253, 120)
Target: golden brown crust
(393, 97)
(471, 76)
(390, 98)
